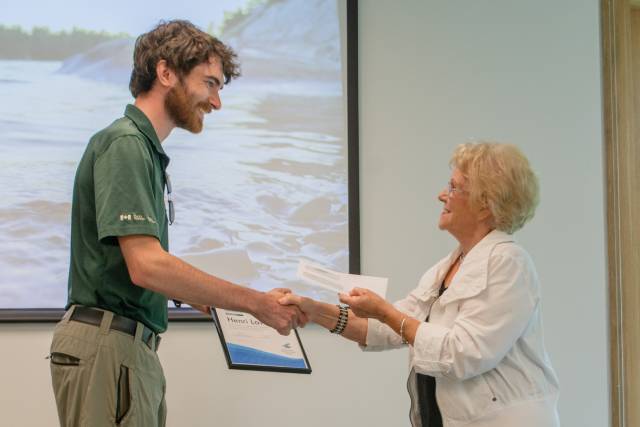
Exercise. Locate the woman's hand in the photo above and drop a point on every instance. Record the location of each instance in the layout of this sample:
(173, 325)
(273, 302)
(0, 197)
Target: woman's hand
(280, 293)
(367, 304)
(327, 315)
(307, 306)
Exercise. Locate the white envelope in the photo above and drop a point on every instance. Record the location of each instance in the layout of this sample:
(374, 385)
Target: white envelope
(325, 278)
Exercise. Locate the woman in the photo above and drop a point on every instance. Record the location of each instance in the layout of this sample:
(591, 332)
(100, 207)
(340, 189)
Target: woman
(473, 324)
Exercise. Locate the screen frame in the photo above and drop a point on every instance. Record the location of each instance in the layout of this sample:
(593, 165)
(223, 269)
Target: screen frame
(36, 315)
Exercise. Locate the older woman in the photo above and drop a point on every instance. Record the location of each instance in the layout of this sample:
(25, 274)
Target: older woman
(473, 324)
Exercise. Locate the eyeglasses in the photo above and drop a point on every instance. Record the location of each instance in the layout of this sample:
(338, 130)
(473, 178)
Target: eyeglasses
(452, 189)
(172, 213)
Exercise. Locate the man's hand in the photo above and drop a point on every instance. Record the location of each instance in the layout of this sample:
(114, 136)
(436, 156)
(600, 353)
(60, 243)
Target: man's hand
(280, 317)
(367, 304)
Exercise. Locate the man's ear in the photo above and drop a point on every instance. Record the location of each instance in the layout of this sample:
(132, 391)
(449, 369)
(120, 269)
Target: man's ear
(165, 76)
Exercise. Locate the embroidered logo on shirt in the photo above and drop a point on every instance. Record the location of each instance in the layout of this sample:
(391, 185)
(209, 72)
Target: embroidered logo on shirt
(136, 217)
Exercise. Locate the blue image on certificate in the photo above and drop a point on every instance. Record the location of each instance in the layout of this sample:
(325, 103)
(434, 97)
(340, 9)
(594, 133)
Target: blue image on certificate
(250, 356)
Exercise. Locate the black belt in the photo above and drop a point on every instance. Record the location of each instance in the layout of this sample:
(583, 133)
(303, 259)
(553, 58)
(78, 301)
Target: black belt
(91, 316)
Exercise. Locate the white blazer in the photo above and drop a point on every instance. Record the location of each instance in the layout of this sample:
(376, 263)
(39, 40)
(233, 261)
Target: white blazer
(484, 341)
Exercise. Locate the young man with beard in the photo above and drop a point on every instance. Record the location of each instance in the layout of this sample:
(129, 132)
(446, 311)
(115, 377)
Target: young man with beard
(104, 366)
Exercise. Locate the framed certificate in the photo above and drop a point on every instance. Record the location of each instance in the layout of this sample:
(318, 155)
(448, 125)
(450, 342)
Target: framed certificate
(252, 345)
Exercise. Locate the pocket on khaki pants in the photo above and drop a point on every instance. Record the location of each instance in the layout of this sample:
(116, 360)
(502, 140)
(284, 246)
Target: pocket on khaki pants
(123, 397)
(70, 362)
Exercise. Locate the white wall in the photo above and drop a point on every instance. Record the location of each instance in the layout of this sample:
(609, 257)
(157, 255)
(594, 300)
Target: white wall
(435, 73)
(432, 74)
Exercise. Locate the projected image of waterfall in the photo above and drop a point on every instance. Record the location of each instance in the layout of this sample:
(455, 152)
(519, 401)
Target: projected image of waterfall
(262, 186)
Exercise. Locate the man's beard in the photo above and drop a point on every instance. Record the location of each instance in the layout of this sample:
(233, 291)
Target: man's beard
(182, 109)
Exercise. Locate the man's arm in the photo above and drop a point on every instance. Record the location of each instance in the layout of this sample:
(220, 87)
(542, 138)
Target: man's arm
(151, 267)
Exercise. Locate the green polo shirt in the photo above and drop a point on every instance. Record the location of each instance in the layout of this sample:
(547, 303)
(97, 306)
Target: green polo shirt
(118, 191)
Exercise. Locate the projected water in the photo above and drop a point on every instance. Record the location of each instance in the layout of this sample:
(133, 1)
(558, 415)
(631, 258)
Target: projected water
(263, 185)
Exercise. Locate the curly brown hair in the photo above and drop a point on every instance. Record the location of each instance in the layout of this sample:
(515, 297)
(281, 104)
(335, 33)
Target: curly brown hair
(183, 46)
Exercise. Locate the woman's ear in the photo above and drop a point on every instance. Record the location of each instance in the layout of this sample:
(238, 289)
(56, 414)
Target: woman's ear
(484, 213)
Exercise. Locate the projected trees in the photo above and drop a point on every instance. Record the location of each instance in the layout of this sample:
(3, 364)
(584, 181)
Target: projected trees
(43, 44)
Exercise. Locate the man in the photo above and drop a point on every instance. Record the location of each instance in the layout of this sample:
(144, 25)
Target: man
(104, 366)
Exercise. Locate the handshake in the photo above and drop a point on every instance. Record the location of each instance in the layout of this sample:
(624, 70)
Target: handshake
(283, 310)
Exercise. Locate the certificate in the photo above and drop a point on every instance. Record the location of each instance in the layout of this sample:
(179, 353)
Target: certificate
(250, 344)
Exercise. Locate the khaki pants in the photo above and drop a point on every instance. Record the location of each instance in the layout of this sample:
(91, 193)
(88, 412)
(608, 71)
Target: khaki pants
(103, 377)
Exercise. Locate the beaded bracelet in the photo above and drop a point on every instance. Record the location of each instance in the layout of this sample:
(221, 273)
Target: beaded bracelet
(343, 318)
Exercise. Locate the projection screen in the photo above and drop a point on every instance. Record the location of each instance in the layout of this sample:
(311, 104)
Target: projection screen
(272, 178)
